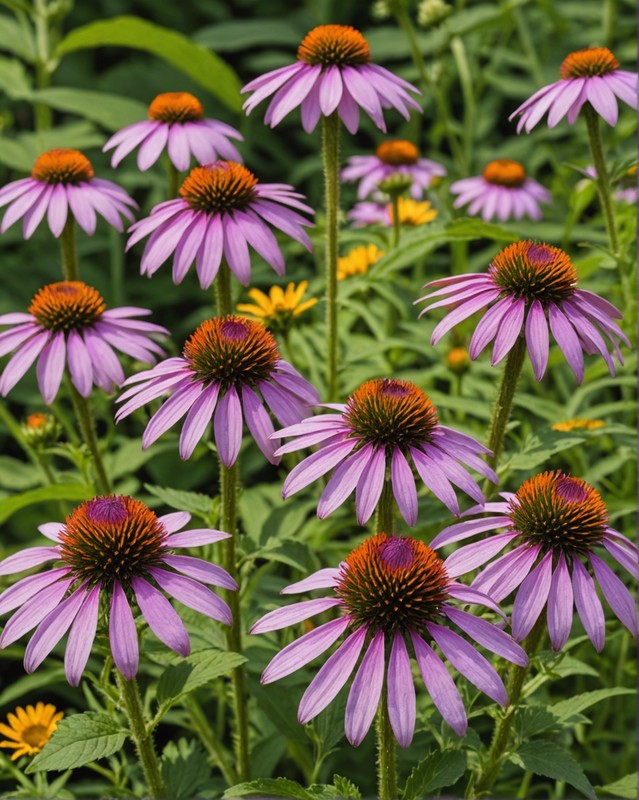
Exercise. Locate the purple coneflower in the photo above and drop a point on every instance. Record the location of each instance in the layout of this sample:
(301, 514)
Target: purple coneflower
(384, 423)
(222, 209)
(410, 212)
(117, 549)
(555, 522)
(225, 363)
(392, 158)
(68, 324)
(63, 181)
(502, 191)
(587, 76)
(528, 288)
(333, 72)
(176, 122)
(393, 594)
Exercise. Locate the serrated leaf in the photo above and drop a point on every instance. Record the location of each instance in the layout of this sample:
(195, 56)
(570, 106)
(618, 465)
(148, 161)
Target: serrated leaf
(185, 769)
(195, 671)
(194, 502)
(580, 702)
(552, 761)
(78, 740)
(58, 491)
(625, 787)
(199, 63)
(282, 787)
(346, 789)
(109, 110)
(436, 770)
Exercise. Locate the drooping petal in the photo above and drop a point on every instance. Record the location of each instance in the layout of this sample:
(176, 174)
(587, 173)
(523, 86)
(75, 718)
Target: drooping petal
(81, 637)
(52, 629)
(291, 615)
(560, 601)
(531, 598)
(370, 486)
(404, 489)
(490, 636)
(363, 698)
(123, 635)
(192, 594)
(617, 595)
(161, 617)
(322, 579)
(343, 481)
(402, 707)
(588, 605)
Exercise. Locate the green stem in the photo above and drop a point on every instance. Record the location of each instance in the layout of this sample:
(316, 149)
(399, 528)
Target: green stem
(228, 523)
(67, 249)
(503, 727)
(173, 181)
(43, 116)
(84, 415)
(397, 227)
(603, 179)
(223, 290)
(143, 740)
(386, 769)
(385, 522)
(504, 401)
(330, 157)
(214, 747)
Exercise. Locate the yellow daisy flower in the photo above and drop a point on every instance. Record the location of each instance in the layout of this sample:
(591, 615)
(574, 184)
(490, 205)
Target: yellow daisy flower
(279, 307)
(573, 424)
(358, 261)
(413, 212)
(29, 729)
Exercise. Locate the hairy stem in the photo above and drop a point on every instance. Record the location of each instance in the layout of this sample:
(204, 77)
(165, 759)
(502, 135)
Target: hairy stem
(86, 422)
(173, 181)
(142, 738)
(386, 769)
(223, 290)
(385, 522)
(397, 227)
(70, 268)
(330, 157)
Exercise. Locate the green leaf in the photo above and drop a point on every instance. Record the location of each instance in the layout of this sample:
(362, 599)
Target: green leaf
(436, 770)
(552, 761)
(243, 34)
(14, 79)
(185, 769)
(282, 787)
(580, 702)
(20, 152)
(193, 672)
(17, 38)
(58, 491)
(199, 63)
(27, 685)
(109, 110)
(78, 740)
(16, 474)
(195, 503)
(624, 787)
(346, 789)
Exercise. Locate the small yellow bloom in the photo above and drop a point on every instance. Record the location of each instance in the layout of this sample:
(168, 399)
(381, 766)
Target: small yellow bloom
(413, 212)
(358, 261)
(573, 424)
(458, 360)
(279, 307)
(29, 729)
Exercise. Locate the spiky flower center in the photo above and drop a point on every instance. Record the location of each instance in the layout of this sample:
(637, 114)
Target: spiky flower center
(504, 172)
(391, 413)
(534, 272)
(587, 63)
(219, 187)
(67, 305)
(334, 45)
(559, 512)
(397, 153)
(176, 107)
(62, 166)
(393, 583)
(112, 538)
(232, 350)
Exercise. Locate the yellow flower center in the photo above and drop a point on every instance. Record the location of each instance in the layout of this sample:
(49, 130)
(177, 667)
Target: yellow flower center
(587, 63)
(176, 107)
(66, 305)
(219, 187)
(334, 45)
(504, 172)
(62, 166)
(397, 153)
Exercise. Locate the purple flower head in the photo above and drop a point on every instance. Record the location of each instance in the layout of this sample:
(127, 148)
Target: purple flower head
(396, 157)
(587, 76)
(385, 423)
(110, 552)
(68, 324)
(63, 185)
(555, 522)
(176, 122)
(528, 288)
(333, 73)
(394, 596)
(502, 191)
(230, 369)
(222, 209)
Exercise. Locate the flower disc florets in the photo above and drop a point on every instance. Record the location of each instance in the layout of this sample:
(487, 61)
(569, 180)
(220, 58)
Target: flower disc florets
(62, 166)
(176, 107)
(391, 413)
(114, 538)
(397, 153)
(562, 512)
(587, 63)
(504, 172)
(534, 272)
(334, 45)
(232, 350)
(66, 305)
(393, 583)
(222, 186)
